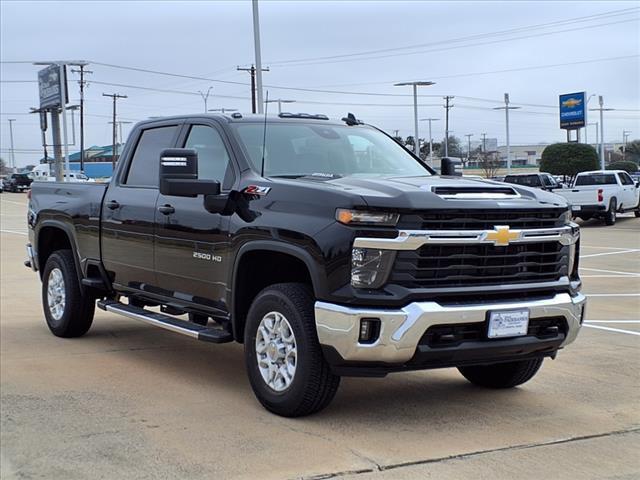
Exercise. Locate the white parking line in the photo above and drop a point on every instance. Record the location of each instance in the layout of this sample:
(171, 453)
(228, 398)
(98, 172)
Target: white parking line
(609, 329)
(15, 203)
(604, 248)
(613, 294)
(632, 274)
(610, 253)
(13, 231)
(612, 321)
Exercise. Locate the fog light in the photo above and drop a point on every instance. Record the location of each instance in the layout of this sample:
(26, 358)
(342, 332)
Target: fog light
(369, 330)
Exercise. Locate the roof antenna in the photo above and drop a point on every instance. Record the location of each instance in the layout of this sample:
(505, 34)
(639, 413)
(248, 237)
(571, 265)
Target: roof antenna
(264, 133)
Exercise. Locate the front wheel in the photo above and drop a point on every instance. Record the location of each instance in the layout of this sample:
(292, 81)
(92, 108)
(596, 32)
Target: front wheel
(502, 375)
(68, 311)
(286, 368)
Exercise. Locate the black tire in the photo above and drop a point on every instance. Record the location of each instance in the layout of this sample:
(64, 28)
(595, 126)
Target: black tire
(77, 313)
(637, 213)
(502, 375)
(611, 214)
(313, 385)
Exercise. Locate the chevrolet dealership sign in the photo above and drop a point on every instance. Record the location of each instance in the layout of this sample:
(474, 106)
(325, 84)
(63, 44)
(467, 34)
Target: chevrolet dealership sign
(573, 110)
(49, 85)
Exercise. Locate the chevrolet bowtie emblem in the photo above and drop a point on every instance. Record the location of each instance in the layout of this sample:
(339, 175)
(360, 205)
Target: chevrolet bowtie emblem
(501, 236)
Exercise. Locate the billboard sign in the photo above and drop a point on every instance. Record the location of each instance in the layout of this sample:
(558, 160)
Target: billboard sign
(49, 85)
(573, 110)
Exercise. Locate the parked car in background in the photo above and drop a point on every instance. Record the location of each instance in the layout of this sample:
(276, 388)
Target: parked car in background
(17, 182)
(603, 194)
(545, 181)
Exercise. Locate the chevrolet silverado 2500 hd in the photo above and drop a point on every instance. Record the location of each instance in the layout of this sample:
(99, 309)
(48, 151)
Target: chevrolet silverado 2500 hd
(324, 247)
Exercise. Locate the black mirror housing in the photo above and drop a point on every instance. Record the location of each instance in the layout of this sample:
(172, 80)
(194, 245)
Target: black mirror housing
(451, 167)
(179, 174)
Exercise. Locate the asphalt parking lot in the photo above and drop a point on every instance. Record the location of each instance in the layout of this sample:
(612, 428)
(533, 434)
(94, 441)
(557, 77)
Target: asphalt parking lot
(132, 401)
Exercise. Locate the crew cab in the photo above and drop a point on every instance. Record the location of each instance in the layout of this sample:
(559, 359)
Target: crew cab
(545, 181)
(17, 182)
(323, 246)
(603, 194)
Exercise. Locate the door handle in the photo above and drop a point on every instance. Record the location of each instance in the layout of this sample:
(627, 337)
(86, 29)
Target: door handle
(113, 205)
(166, 209)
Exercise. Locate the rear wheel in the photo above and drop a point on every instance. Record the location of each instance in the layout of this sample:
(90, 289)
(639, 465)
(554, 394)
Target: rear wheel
(502, 375)
(286, 368)
(68, 311)
(611, 215)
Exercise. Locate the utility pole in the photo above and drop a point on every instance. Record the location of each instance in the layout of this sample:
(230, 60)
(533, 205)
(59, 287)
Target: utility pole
(447, 107)
(506, 109)
(625, 135)
(223, 110)
(82, 83)
(252, 73)
(258, 56)
(115, 97)
(205, 98)
(120, 123)
(469, 135)
(430, 138)
(484, 142)
(601, 109)
(280, 101)
(13, 153)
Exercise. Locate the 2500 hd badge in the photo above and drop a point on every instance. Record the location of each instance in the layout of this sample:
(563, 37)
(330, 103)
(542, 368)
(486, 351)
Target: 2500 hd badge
(207, 256)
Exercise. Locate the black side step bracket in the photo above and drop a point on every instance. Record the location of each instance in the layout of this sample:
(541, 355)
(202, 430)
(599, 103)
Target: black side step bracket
(200, 332)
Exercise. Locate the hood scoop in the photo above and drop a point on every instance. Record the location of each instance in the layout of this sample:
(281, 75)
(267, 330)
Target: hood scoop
(484, 192)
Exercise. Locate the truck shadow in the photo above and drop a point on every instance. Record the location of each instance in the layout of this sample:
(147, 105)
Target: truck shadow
(400, 397)
(627, 220)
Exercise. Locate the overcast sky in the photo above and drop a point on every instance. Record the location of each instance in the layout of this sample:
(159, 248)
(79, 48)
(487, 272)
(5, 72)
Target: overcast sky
(475, 51)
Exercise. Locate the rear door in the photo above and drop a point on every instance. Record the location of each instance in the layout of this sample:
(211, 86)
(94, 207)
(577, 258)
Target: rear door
(129, 208)
(192, 244)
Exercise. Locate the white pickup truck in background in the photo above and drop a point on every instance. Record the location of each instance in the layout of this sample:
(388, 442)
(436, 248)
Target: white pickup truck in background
(602, 194)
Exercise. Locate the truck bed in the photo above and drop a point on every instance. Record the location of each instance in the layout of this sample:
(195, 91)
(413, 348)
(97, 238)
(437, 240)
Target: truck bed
(73, 206)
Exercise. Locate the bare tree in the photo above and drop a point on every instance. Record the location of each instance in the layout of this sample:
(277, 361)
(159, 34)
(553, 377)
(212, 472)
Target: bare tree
(489, 162)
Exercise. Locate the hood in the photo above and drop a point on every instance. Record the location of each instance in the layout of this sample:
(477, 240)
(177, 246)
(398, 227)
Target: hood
(438, 192)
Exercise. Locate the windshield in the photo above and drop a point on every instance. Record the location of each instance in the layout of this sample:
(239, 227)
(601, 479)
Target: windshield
(527, 180)
(304, 149)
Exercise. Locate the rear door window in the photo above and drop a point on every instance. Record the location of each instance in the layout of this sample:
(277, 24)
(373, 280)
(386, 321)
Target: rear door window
(144, 169)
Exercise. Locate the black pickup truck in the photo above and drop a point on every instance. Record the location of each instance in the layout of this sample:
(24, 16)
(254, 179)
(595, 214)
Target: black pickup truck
(323, 246)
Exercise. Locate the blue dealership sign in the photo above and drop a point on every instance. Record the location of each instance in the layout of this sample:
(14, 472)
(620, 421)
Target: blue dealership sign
(573, 110)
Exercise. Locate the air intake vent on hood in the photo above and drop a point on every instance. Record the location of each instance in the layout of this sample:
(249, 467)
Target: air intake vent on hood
(485, 192)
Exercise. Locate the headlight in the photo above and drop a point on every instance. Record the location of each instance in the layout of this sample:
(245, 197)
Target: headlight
(360, 217)
(370, 267)
(567, 217)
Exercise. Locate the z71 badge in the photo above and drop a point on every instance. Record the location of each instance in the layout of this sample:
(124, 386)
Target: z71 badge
(256, 190)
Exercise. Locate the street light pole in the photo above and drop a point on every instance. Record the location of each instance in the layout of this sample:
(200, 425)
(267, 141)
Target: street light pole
(506, 109)
(601, 109)
(13, 153)
(205, 97)
(416, 139)
(256, 44)
(430, 138)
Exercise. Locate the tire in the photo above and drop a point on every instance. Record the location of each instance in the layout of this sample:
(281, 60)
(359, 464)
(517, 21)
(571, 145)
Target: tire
(312, 385)
(611, 214)
(71, 317)
(502, 375)
(637, 213)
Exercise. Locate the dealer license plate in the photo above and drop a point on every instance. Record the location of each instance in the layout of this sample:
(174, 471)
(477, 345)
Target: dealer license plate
(576, 208)
(508, 323)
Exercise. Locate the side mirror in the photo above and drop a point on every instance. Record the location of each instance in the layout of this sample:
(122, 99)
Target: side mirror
(451, 167)
(179, 174)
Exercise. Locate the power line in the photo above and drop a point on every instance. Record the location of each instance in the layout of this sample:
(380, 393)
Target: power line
(454, 47)
(467, 38)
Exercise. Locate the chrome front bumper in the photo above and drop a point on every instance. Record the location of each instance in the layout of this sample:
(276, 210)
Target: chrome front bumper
(401, 329)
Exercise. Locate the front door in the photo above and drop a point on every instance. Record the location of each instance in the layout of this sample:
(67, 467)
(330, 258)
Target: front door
(129, 210)
(191, 244)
